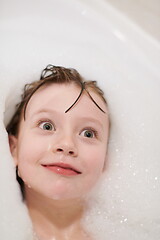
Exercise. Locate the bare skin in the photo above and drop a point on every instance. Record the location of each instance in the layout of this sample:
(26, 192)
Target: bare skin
(62, 223)
(51, 137)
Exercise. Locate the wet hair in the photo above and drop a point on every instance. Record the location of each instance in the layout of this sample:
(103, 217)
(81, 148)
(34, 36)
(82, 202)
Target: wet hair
(53, 74)
(50, 75)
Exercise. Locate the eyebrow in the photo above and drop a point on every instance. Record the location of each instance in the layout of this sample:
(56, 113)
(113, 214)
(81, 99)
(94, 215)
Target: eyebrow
(44, 110)
(51, 111)
(93, 120)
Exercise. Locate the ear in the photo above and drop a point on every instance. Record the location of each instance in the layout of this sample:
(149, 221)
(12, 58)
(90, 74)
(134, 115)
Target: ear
(13, 147)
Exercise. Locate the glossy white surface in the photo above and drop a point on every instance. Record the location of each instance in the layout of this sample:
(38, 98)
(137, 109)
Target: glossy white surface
(102, 44)
(145, 13)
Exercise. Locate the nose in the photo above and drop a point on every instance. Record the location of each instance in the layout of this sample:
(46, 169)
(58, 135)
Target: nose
(66, 145)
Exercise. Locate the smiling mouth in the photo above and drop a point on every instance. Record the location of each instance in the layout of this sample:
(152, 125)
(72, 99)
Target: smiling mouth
(62, 169)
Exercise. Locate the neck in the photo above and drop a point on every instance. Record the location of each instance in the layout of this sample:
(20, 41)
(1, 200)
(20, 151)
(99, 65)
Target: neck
(57, 217)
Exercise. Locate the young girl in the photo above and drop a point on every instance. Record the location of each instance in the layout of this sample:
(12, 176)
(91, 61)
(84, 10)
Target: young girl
(58, 139)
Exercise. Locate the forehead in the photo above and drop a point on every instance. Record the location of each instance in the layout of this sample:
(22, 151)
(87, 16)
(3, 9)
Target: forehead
(60, 97)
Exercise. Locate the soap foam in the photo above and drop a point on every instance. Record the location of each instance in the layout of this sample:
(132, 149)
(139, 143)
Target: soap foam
(126, 203)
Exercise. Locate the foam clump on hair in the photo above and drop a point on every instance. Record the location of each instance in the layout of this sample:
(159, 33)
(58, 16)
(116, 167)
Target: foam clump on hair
(12, 209)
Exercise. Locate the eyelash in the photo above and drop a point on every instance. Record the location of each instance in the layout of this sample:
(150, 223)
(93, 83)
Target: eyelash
(46, 121)
(95, 132)
(92, 130)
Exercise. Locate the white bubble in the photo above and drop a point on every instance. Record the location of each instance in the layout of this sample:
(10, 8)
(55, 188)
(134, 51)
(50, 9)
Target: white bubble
(128, 72)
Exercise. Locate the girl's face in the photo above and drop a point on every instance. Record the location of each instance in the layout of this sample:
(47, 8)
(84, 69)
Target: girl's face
(61, 155)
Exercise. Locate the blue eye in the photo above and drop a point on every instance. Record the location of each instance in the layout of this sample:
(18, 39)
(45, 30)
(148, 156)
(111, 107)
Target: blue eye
(47, 126)
(88, 133)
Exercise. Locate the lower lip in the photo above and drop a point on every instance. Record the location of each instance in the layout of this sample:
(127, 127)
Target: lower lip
(61, 171)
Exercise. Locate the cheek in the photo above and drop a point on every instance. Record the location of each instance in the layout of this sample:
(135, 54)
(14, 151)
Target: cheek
(95, 161)
(31, 150)
(29, 156)
(94, 169)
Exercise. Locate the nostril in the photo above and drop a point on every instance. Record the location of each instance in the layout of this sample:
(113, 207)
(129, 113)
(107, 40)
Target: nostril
(71, 152)
(66, 151)
(59, 150)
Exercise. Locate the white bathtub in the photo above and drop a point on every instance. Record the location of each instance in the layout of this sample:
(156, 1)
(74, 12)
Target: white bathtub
(103, 45)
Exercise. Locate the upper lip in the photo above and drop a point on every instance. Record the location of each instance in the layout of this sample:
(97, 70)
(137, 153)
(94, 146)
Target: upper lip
(62, 165)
